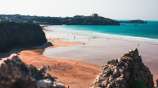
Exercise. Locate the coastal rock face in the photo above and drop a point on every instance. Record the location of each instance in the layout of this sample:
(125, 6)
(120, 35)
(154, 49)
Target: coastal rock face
(20, 35)
(128, 72)
(15, 74)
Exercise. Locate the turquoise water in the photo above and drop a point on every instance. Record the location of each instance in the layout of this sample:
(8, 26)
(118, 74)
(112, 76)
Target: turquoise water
(147, 30)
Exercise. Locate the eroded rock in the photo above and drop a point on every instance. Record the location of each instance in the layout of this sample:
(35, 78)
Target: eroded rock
(127, 72)
(16, 74)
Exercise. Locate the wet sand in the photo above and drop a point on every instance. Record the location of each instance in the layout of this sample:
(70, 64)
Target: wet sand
(98, 49)
(75, 74)
(62, 43)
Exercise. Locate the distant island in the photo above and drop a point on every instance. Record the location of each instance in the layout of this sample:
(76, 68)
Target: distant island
(93, 19)
(134, 21)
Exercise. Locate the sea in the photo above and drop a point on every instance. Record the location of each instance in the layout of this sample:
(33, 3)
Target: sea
(147, 30)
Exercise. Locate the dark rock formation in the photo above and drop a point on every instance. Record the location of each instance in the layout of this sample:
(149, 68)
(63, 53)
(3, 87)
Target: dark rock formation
(134, 21)
(137, 21)
(20, 35)
(89, 20)
(16, 74)
(128, 72)
(76, 20)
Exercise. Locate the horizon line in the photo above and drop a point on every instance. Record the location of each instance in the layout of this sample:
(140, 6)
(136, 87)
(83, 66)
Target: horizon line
(120, 19)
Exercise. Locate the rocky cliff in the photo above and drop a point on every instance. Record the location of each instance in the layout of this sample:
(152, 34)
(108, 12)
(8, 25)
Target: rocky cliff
(16, 74)
(20, 35)
(127, 72)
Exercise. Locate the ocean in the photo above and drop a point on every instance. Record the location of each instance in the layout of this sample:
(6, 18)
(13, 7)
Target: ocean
(146, 30)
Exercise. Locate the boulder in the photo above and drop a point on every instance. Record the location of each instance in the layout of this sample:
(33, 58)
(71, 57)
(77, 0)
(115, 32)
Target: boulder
(16, 74)
(127, 72)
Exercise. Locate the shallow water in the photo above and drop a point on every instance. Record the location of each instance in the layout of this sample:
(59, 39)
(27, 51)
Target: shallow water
(147, 30)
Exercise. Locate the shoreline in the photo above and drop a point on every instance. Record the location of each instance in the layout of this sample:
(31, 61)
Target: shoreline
(98, 49)
(105, 35)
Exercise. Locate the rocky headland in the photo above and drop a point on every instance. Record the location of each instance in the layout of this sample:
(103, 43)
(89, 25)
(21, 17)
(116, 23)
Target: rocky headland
(127, 72)
(20, 35)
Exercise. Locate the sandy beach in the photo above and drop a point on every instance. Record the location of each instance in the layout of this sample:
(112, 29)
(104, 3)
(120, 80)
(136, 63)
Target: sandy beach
(76, 57)
(75, 74)
(97, 48)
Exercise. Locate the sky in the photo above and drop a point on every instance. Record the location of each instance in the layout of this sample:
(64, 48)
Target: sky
(115, 9)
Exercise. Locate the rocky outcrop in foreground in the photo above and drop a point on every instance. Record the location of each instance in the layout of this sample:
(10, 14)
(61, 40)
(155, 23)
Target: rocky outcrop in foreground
(20, 35)
(16, 74)
(127, 72)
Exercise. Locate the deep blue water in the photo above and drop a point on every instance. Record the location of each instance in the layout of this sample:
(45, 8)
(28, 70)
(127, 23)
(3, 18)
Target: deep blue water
(147, 30)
